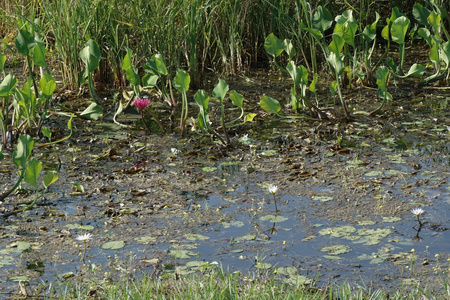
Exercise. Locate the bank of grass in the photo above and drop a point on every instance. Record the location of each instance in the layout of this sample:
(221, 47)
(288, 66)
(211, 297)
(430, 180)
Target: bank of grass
(222, 285)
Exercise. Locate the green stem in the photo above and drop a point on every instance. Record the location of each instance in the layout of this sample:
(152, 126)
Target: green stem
(222, 110)
(8, 192)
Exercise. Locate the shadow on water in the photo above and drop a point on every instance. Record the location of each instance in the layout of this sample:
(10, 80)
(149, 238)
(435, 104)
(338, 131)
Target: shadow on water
(168, 204)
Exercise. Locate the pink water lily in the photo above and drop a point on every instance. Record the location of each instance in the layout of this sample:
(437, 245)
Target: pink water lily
(141, 104)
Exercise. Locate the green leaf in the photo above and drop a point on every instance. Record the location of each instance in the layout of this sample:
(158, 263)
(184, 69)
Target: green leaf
(23, 150)
(220, 90)
(270, 105)
(416, 70)
(130, 71)
(39, 54)
(289, 48)
(421, 14)
(312, 86)
(237, 99)
(322, 19)
(336, 63)
(273, 45)
(181, 81)
(47, 85)
(32, 171)
(91, 55)
(46, 132)
(249, 117)
(49, 178)
(202, 99)
(113, 245)
(7, 85)
(382, 76)
(2, 61)
(92, 112)
(156, 66)
(336, 44)
(25, 42)
(370, 31)
(149, 80)
(399, 28)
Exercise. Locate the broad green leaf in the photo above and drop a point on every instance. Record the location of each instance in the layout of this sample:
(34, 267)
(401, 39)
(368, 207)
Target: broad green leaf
(346, 27)
(416, 70)
(149, 80)
(322, 19)
(47, 85)
(237, 99)
(434, 51)
(336, 63)
(315, 33)
(23, 246)
(49, 178)
(370, 31)
(39, 54)
(202, 99)
(25, 42)
(336, 44)
(382, 76)
(91, 55)
(46, 132)
(294, 72)
(399, 28)
(156, 66)
(421, 14)
(23, 150)
(113, 245)
(2, 61)
(220, 90)
(270, 105)
(7, 85)
(130, 71)
(249, 117)
(133, 77)
(312, 86)
(333, 88)
(1, 153)
(435, 21)
(426, 35)
(32, 171)
(289, 48)
(273, 45)
(92, 112)
(126, 62)
(181, 81)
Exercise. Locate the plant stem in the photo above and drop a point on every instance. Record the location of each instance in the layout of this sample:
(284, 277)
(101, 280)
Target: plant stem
(143, 120)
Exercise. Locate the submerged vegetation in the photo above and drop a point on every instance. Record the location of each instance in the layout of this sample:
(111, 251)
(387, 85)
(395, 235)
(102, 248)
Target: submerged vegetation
(158, 56)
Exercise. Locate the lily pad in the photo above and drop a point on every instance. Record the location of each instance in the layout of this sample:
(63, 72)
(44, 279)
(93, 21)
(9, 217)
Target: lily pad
(234, 224)
(274, 219)
(322, 198)
(194, 237)
(181, 253)
(336, 249)
(113, 245)
(338, 231)
(146, 239)
(209, 169)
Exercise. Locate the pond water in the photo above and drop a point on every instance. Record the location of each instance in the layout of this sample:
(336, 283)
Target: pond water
(158, 205)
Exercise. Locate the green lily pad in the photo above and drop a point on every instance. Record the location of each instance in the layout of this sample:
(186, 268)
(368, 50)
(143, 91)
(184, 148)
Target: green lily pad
(23, 246)
(274, 219)
(332, 257)
(339, 231)
(234, 224)
(146, 239)
(113, 245)
(297, 280)
(336, 249)
(263, 265)
(269, 153)
(373, 174)
(391, 219)
(19, 278)
(181, 254)
(287, 271)
(209, 169)
(194, 237)
(322, 198)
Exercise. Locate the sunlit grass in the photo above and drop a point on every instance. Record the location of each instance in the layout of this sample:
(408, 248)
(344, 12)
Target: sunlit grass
(222, 285)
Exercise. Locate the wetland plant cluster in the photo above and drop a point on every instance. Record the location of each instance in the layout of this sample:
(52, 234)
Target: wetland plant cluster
(88, 39)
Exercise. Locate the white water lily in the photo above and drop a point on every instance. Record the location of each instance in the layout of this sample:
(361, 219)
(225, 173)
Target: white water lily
(417, 211)
(84, 237)
(273, 189)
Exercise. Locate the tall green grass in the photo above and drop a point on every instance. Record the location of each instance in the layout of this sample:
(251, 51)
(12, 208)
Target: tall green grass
(223, 35)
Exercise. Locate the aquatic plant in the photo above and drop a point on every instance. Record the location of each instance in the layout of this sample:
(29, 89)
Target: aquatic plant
(273, 190)
(84, 238)
(220, 91)
(418, 212)
(91, 56)
(181, 83)
(141, 104)
(29, 170)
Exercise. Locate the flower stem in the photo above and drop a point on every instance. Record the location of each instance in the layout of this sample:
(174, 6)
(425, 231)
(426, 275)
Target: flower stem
(143, 120)
(275, 202)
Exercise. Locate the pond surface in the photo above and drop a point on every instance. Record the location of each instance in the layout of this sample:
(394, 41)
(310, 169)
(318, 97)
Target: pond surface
(158, 205)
